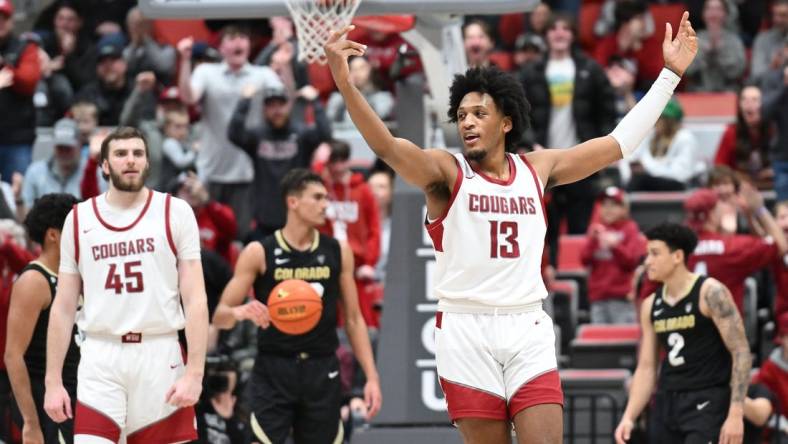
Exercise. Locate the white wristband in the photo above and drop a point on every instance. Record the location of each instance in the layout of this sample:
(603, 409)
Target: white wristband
(633, 128)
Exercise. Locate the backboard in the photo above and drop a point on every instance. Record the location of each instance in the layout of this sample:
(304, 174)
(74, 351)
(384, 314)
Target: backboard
(227, 9)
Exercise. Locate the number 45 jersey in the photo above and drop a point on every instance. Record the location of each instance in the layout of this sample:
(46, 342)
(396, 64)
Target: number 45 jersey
(489, 241)
(128, 262)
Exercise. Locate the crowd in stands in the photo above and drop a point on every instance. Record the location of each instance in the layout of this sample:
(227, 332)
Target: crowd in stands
(226, 117)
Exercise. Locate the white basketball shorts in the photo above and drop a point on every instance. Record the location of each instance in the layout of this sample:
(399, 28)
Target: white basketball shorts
(492, 366)
(121, 388)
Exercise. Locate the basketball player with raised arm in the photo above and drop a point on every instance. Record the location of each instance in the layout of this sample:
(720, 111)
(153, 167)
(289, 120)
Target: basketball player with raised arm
(134, 255)
(704, 375)
(494, 345)
(295, 382)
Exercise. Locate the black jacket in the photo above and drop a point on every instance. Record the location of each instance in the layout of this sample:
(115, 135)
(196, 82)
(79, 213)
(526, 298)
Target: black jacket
(274, 153)
(593, 101)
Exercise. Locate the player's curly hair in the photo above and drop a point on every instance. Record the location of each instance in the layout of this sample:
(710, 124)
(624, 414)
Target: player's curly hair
(506, 91)
(49, 211)
(675, 236)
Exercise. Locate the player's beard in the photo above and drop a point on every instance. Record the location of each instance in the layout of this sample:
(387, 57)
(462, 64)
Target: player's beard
(476, 154)
(131, 186)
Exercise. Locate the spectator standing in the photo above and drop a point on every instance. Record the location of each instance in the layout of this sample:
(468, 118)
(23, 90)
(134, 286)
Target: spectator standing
(225, 168)
(277, 146)
(216, 221)
(352, 216)
(774, 86)
(143, 53)
(361, 75)
(731, 258)
(19, 74)
(112, 87)
(528, 48)
(70, 47)
(780, 264)
(666, 160)
(478, 43)
(381, 182)
(621, 75)
(767, 50)
(631, 41)
(745, 146)
(614, 249)
(281, 55)
(733, 218)
(179, 153)
(54, 93)
(571, 100)
(606, 22)
(721, 60)
(62, 172)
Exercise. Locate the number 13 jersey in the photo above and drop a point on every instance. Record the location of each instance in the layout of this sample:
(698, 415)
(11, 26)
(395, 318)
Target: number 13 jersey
(128, 260)
(489, 241)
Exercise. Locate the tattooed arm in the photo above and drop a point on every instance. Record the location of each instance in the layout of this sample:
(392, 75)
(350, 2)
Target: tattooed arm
(716, 302)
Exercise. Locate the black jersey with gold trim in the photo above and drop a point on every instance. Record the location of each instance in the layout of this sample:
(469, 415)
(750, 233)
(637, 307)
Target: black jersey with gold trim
(321, 266)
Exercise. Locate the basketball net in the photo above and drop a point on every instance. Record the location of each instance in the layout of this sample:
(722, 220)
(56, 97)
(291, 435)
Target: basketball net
(314, 21)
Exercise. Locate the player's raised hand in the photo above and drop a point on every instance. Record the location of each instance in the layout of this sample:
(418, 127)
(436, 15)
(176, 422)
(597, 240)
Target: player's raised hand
(679, 52)
(185, 392)
(254, 311)
(624, 431)
(338, 49)
(372, 397)
(57, 403)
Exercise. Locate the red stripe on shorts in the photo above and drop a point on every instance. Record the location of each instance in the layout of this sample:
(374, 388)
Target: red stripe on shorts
(179, 426)
(89, 421)
(468, 402)
(544, 389)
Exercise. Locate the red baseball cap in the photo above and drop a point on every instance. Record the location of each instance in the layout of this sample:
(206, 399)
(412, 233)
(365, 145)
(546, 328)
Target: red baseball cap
(6, 7)
(614, 193)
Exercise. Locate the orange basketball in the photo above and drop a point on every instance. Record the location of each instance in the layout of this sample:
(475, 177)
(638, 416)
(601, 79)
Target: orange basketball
(294, 306)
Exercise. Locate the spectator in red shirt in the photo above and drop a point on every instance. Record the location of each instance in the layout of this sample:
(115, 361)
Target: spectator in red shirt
(216, 221)
(613, 251)
(774, 371)
(745, 145)
(352, 215)
(631, 41)
(780, 266)
(731, 258)
(734, 217)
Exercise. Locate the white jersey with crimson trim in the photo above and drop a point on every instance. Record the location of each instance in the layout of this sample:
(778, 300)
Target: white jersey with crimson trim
(129, 272)
(489, 241)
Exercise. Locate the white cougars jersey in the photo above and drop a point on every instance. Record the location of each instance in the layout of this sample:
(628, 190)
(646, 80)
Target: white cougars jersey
(129, 273)
(489, 241)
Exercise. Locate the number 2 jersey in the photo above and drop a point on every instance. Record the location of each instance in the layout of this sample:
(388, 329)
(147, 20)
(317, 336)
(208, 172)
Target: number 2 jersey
(489, 241)
(128, 261)
(696, 357)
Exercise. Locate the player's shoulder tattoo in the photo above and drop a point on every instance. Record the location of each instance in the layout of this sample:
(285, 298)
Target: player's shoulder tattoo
(718, 299)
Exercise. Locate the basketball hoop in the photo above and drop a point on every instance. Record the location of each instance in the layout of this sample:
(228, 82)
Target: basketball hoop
(314, 21)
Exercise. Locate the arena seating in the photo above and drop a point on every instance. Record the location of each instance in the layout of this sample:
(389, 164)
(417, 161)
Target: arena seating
(604, 347)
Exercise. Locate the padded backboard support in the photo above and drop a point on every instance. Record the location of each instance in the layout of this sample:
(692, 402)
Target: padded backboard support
(268, 8)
